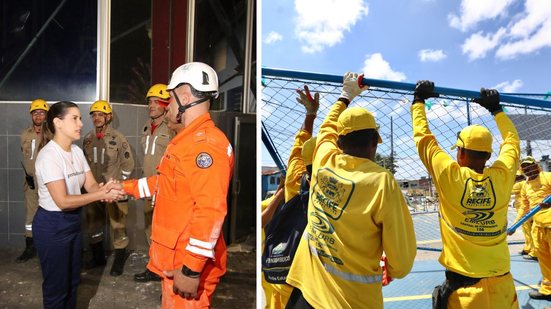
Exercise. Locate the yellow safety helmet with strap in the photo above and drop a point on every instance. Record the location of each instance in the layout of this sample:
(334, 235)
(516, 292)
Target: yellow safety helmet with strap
(101, 106)
(158, 90)
(38, 104)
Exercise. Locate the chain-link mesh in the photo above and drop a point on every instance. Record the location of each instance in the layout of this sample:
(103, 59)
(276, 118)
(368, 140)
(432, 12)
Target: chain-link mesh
(282, 117)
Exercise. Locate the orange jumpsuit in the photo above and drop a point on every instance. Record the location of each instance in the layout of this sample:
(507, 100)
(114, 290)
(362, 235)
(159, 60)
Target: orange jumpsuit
(190, 205)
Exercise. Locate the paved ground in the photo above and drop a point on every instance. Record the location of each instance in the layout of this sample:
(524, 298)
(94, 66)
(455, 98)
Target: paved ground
(20, 284)
(415, 290)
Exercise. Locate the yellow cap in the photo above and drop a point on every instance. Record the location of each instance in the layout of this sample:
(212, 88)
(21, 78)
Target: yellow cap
(528, 160)
(101, 106)
(474, 137)
(38, 104)
(355, 119)
(308, 150)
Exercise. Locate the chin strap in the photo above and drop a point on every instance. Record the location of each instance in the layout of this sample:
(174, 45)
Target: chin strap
(182, 108)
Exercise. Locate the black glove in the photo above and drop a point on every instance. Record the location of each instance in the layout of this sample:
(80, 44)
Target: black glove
(489, 99)
(424, 89)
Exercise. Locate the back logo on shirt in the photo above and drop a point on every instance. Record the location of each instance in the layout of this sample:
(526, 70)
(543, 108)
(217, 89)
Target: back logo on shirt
(478, 197)
(331, 193)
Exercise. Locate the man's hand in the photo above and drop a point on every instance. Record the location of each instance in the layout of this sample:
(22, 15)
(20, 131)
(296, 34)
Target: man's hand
(184, 286)
(489, 99)
(545, 205)
(424, 89)
(352, 86)
(311, 104)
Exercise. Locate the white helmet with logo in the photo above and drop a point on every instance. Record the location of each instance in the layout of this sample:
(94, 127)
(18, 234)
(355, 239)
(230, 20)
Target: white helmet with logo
(199, 75)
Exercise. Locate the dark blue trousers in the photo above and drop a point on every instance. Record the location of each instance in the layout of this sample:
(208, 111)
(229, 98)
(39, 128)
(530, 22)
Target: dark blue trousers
(57, 238)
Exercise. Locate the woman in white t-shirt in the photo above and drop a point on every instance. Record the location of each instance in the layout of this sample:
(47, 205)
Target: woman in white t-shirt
(61, 172)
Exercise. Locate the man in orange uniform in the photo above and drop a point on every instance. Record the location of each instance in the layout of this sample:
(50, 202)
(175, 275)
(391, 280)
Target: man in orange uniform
(187, 249)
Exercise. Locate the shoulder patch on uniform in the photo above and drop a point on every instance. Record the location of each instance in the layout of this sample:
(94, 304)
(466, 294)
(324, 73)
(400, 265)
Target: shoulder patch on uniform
(203, 160)
(200, 136)
(127, 155)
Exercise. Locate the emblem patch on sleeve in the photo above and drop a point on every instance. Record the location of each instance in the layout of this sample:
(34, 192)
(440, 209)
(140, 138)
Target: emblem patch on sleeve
(203, 160)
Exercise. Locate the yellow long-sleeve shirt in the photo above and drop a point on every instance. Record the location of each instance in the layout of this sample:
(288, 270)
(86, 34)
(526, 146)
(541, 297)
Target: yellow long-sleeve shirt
(356, 210)
(517, 187)
(533, 193)
(473, 206)
(295, 167)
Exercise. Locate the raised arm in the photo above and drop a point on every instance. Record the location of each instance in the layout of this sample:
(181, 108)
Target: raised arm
(328, 134)
(296, 166)
(430, 153)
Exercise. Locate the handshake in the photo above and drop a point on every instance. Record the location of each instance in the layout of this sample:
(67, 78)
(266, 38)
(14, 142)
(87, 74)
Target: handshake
(111, 191)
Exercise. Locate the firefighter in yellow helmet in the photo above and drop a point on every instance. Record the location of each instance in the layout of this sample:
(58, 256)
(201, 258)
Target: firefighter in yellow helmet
(155, 137)
(31, 141)
(108, 154)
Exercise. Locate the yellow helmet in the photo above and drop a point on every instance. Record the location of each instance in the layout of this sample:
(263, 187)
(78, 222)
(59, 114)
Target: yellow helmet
(38, 104)
(158, 90)
(101, 106)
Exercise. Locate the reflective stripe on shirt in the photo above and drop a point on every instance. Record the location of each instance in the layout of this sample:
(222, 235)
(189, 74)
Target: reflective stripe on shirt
(348, 276)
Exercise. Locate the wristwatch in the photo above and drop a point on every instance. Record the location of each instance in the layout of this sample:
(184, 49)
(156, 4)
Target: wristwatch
(190, 273)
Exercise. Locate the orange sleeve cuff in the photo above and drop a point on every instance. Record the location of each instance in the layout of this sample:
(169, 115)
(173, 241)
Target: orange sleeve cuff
(131, 187)
(195, 262)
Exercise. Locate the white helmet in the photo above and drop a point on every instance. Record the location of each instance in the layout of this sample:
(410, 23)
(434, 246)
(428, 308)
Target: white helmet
(199, 75)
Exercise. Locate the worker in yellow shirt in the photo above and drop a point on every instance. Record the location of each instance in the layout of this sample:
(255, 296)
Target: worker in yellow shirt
(299, 164)
(355, 212)
(528, 249)
(269, 206)
(536, 188)
(473, 205)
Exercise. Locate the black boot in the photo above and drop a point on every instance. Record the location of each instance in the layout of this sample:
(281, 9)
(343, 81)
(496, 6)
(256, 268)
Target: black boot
(146, 276)
(28, 253)
(118, 263)
(98, 256)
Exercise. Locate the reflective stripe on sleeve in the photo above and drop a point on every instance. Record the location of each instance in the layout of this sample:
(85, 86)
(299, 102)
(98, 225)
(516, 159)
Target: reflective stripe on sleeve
(95, 154)
(201, 248)
(102, 156)
(125, 174)
(200, 243)
(28, 227)
(143, 188)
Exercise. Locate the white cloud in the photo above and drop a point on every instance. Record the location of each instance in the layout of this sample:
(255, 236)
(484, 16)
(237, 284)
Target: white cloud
(426, 55)
(507, 86)
(272, 37)
(478, 45)
(322, 23)
(377, 67)
(475, 11)
(529, 34)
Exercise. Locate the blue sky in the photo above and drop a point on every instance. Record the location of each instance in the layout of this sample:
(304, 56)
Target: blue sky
(468, 44)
